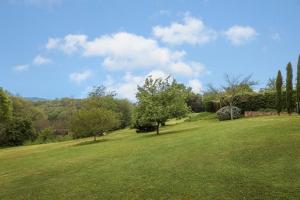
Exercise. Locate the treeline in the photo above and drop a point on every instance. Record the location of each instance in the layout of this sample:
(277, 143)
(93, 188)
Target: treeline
(24, 121)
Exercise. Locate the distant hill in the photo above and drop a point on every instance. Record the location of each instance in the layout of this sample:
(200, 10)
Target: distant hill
(35, 99)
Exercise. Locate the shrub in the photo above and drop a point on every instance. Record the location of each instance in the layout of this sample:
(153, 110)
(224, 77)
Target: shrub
(224, 113)
(16, 132)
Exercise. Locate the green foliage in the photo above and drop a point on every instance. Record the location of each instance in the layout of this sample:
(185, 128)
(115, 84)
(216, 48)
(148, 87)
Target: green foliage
(160, 100)
(201, 116)
(279, 92)
(194, 101)
(289, 88)
(5, 107)
(94, 121)
(225, 113)
(298, 86)
(46, 134)
(16, 132)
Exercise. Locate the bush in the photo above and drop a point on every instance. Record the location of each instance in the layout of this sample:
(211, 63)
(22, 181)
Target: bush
(16, 131)
(211, 106)
(224, 113)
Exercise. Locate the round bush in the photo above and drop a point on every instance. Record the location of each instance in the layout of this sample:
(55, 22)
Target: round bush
(224, 113)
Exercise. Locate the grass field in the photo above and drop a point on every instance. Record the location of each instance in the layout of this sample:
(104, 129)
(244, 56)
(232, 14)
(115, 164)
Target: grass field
(256, 158)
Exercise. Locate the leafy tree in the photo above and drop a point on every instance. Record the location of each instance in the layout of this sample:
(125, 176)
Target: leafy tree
(16, 131)
(298, 86)
(279, 92)
(101, 91)
(95, 121)
(289, 88)
(235, 86)
(159, 100)
(5, 107)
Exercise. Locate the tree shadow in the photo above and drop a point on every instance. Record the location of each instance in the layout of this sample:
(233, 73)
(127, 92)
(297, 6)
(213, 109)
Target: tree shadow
(169, 132)
(91, 142)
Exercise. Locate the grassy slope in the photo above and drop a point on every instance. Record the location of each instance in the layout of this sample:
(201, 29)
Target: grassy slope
(257, 158)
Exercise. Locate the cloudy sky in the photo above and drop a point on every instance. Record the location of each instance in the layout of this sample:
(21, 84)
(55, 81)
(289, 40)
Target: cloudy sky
(61, 48)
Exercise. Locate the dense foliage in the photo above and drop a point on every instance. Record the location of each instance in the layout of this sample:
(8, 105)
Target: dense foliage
(158, 101)
(279, 92)
(289, 88)
(228, 112)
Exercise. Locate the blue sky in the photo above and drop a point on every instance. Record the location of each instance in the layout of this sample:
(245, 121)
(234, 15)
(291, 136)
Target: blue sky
(61, 48)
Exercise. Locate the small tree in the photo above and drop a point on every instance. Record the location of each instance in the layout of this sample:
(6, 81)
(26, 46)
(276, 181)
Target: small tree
(289, 88)
(95, 121)
(159, 100)
(298, 86)
(235, 86)
(279, 92)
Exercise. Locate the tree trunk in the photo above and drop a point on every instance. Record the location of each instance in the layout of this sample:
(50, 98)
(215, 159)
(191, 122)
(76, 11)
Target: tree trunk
(157, 128)
(95, 137)
(231, 111)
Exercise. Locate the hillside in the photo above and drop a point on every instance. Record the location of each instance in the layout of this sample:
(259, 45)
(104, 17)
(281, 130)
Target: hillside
(257, 158)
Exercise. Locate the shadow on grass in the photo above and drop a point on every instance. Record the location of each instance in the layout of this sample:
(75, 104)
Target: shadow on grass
(169, 132)
(91, 142)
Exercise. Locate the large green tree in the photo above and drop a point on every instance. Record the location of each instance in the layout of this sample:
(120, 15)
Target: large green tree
(159, 100)
(289, 88)
(298, 86)
(93, 122)
(279, 92)
(5, 107)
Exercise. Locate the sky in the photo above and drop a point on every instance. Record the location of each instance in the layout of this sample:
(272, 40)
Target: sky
(62, 48)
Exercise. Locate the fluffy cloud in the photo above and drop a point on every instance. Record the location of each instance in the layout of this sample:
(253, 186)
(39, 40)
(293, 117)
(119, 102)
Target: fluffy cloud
(196, 85)
(239, 35)
(69, 44)
(129, 51)
(40, 60)
(21, 68)
(191, 31)
(79, 77)
(127, 87)
(124, 51)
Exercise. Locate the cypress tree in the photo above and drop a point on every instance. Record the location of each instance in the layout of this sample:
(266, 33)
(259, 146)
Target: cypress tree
(279, 92)
(298, 86)
(289, 88)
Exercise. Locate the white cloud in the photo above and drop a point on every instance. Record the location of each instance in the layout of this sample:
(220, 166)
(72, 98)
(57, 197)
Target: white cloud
(40, 60)
(79, 77)
(69, 44)
(53, 43)
(21, 68)
(196, 85)
(125, 51)
(239, 35)
(191, 31)
(127, 87)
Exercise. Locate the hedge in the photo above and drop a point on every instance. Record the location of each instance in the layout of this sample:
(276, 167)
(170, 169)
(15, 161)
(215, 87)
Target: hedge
(251, 102)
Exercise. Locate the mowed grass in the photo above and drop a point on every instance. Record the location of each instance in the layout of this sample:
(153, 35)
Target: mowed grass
(256, 158)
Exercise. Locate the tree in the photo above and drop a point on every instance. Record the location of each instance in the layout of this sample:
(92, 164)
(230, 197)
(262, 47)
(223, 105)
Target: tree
(94, 121)
(279, 92)
(298, 86)
(160, 100)
(289, 88)
(5, 107)
(16, 131)
(235, 86)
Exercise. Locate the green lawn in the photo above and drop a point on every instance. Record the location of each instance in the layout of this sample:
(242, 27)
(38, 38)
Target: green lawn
(257, 158)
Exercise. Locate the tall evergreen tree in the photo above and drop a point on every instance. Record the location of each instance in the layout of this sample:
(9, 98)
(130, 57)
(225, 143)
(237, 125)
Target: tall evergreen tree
(289, 88)
(279, 92)
(298, 86)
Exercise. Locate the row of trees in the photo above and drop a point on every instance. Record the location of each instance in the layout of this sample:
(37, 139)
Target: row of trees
(290, 104)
